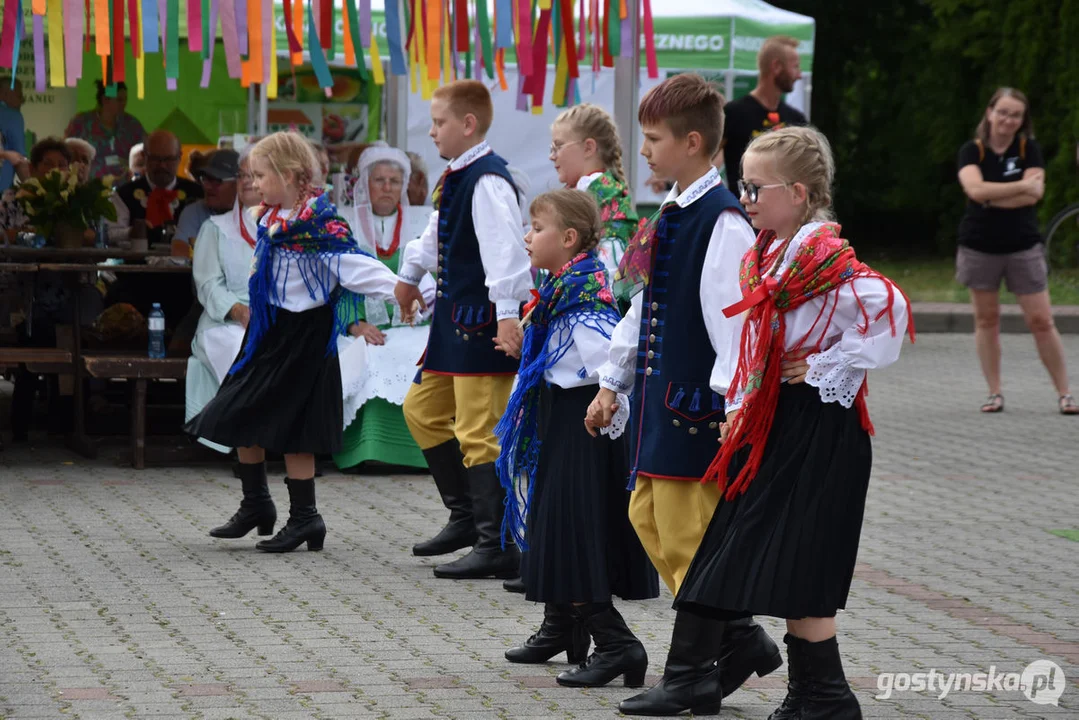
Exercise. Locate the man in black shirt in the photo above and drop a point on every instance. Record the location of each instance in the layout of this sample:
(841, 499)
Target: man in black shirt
(763, 109)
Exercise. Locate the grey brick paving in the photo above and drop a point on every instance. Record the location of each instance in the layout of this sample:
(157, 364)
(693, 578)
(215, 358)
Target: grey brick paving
(114, 603)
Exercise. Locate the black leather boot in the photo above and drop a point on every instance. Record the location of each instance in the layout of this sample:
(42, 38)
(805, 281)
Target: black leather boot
(817, 689)
(560, 632)
(690, 677)
(304, 524)
(256, 509)
(618, 651)
(487, 558)
(448, 470)
(514, 585)
(746, 649)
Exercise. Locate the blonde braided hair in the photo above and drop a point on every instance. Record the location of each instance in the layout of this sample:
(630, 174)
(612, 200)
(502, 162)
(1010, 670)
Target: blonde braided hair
(290, 152)
(591, 121)
(802, 155)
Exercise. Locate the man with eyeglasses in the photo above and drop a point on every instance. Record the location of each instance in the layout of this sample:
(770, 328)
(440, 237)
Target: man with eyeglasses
(155, 200)
(158, 197)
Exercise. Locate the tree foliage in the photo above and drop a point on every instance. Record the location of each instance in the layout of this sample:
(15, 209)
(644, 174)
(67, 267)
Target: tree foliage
(899, 86)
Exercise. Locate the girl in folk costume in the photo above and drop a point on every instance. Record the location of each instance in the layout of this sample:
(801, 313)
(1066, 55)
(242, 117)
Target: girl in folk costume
(796, 455)
(221, 269)
(567, 484)
(587, 155)
(283, 394)
(376, 424)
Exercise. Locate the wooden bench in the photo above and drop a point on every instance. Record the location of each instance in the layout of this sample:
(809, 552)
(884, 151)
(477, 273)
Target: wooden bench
(139, 369)
(39, 360)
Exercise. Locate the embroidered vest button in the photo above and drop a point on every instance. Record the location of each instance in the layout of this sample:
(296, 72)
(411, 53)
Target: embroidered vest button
(438, 294)
(655, 322)
(651, 354)
(676, 423)
(655, 306)
(648, 371)
(651, 338)
(693, 431)
(713, 425)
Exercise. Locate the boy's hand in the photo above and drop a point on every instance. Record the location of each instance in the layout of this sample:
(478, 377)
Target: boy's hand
(601, 410)
(408, 299)
(726, 428)
(509, 337)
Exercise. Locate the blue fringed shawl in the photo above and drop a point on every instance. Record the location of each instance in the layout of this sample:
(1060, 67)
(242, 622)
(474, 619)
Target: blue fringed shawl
(313, 242)
(577, 294)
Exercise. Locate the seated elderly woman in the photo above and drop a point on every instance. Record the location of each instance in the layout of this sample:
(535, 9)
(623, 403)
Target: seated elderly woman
(381, 225)
(83, 154)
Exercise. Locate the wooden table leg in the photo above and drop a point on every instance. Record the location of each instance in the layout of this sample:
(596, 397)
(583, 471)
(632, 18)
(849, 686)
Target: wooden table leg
(78, 441)
(138, 424)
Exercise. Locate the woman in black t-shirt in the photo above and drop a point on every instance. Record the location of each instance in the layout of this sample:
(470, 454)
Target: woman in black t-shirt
(1003, 176)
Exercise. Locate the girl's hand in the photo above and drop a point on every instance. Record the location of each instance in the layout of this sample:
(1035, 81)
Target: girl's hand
(506, 349)
(795, 367)
(368, 332)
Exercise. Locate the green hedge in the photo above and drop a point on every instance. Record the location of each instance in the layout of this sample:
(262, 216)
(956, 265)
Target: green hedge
(899, 86)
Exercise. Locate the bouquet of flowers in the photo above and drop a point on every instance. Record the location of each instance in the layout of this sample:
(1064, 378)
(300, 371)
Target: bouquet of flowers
(59, 201)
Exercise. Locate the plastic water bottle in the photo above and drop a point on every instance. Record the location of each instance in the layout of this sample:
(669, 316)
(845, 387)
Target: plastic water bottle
(157, 332)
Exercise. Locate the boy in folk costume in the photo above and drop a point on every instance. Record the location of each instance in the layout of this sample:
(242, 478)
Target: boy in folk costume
(475, 246)
(676, 352)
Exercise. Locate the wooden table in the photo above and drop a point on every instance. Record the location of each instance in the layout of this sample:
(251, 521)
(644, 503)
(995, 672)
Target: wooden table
(27, 260)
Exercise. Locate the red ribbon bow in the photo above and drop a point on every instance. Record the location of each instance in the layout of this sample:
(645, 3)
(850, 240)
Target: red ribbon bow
(762, 293)
(159, 207)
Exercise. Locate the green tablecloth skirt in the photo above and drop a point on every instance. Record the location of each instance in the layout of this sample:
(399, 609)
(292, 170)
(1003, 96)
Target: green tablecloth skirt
(379, 434)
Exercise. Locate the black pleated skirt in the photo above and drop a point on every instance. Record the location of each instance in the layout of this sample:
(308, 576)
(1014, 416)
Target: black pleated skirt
(582, 547)
(787, 547)
(287, 398)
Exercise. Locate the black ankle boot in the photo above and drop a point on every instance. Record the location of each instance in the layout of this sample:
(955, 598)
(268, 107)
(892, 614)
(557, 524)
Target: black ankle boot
(487, 558)
(690, 677)
(256, 509)
(560, 632)
(304, 524)
(746, 649)
(514, 585)
(817, 689)
(448, 470)
(618, 651)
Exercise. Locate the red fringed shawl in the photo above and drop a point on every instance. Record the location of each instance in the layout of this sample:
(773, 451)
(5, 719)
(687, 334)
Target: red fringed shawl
(823, 262)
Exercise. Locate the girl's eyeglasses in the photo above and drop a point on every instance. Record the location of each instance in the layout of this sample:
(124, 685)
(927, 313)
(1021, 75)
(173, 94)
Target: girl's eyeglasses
(752, 192)
(555, 149)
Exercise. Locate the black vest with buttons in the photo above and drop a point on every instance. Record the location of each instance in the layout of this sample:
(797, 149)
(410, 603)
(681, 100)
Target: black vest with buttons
(676, 414)
(465, 321)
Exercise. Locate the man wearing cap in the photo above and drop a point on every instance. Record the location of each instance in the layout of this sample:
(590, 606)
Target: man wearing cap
(218, 180)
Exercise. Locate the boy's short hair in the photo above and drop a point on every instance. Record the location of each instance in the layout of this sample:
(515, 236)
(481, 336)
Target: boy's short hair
(687, 103)
(469, 96)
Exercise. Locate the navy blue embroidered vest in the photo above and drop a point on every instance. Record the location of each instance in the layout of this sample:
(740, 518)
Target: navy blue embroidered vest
(676, 415)
(465, 321)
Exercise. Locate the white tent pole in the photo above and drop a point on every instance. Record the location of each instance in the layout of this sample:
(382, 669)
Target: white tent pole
(397, 111)
(627, 91)
(264, 111)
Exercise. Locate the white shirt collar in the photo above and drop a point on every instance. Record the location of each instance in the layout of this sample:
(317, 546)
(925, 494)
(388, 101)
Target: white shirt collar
(694, 192)
(470, 157)
(586, 182)
(170, 186)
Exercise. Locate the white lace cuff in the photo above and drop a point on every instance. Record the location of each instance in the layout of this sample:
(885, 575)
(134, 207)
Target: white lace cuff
(836, 380)
(620, 419)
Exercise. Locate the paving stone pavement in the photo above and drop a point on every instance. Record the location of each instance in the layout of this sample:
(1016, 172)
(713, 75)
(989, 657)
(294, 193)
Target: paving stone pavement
(115, 603)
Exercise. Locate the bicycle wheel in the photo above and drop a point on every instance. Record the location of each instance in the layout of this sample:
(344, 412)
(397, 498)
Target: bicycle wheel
(1064, 227)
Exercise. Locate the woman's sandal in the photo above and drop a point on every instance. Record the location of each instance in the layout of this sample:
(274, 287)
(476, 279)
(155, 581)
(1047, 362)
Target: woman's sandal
(1068, 405)
(994, 404)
